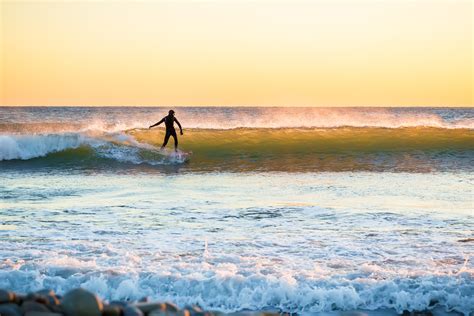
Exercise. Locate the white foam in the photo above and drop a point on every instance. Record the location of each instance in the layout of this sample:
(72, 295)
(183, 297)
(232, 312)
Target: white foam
(342, 241)
(234, 291)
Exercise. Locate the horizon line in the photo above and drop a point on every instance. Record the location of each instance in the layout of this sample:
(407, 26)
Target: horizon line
(246, 105)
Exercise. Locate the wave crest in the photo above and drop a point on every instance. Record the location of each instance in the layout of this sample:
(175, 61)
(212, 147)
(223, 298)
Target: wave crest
(296, 149)
(119, 147)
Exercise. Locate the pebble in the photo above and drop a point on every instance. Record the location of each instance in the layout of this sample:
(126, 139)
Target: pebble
(132, 311)
(10, 310)
(47, 296)
(80, 302)
(144, 299)
(46, 292)
(171, 307)
(19, 299)
(32, 306)
(112, 310)
(118, 303)
(43, 299)
(148, 307)
(196, 311)
(6, 296)
(42, 314)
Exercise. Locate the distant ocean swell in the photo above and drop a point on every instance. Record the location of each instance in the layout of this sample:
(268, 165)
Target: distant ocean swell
(285, 149)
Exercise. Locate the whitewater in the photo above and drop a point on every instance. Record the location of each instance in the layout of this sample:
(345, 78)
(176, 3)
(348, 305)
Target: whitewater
(305, 210)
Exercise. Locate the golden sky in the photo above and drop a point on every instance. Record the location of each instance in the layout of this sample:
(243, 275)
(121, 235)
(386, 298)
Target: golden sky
(288, 53)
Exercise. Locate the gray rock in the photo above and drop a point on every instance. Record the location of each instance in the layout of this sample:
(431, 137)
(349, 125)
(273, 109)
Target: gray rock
(43, 299)
(80, 302)
(170, 307)
(55, 308)
(46, 292)
(144, 299)
(19, 299)
(47, 296)
(6, 296)
(53, 300)
(10, 310)
(112, 310)
(32, 306)
(156, 312)
(182, 312)
(42, 314)
(196, 311)
(148, 307)
(118, 303)
(132, 311)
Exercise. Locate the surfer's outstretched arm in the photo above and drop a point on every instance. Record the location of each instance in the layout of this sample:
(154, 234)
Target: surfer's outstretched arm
(180, 128)
(158, 123)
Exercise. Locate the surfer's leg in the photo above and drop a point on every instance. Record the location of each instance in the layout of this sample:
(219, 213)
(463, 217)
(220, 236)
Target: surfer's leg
(165, 141)
(175, 140)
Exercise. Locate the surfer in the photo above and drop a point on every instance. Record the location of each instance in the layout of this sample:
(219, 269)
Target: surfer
(170, 131)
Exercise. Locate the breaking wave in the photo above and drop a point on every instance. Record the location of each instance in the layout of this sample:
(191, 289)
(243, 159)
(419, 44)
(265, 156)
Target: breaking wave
(76, 146)
(295, 149)
(225, 288)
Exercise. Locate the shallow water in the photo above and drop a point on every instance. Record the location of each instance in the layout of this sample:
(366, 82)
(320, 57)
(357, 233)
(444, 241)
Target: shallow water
(228, 238)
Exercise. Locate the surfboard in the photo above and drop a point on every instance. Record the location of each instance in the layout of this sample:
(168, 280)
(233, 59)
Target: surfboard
(179, 156)
(149, 151)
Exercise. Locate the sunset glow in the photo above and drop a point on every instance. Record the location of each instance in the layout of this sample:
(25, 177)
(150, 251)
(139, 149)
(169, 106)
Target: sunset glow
(303, 53)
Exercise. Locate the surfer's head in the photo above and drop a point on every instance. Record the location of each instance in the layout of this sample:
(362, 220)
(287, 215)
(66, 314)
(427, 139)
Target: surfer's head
(171, 112)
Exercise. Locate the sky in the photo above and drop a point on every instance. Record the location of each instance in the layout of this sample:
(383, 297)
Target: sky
(267, 53)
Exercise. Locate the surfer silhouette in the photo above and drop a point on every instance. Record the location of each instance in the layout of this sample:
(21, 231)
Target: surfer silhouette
(170, 131)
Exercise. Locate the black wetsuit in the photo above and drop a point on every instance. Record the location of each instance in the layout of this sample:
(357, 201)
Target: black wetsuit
(170, 131)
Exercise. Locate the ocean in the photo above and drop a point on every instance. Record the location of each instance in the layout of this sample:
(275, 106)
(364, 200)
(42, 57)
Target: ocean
(300, 210)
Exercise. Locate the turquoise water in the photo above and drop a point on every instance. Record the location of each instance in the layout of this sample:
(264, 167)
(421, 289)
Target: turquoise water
(345, 224)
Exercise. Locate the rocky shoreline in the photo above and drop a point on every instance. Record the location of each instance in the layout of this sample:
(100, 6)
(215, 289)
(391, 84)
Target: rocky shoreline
(80, 302)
